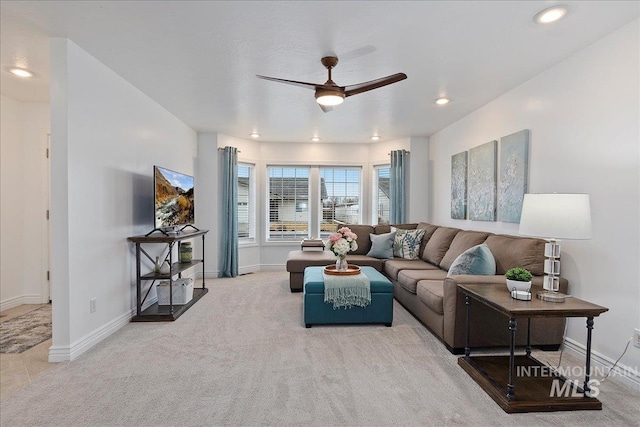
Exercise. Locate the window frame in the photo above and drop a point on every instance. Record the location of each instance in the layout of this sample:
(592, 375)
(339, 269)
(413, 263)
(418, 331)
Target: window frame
(321, 213)
(269, 204)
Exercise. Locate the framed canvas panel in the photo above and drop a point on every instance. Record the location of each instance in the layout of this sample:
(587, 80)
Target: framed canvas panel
(459, 186)
(514, 171)
(482, 182)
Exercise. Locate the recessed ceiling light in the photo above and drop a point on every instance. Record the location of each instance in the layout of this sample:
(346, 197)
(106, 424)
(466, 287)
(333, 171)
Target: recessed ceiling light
(20, 72)
(550, 14)
(315, 139)
(442, 100)
(375, 138)
(255, 135)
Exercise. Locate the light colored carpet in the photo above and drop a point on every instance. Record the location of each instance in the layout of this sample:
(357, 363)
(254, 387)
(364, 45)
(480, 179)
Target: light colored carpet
(241, 356)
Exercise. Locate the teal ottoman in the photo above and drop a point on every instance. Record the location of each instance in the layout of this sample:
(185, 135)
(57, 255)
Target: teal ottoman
(317, 312)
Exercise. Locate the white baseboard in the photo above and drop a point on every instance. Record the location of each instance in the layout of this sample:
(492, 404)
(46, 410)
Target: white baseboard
(72, 352)
(243, 270)
(621, 373)
(249, 269)
(20, 300)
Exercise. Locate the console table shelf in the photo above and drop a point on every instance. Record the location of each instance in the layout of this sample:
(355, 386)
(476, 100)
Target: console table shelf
(156, 312)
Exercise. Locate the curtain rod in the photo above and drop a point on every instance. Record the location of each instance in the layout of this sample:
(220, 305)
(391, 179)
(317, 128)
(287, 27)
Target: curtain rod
(222, 149)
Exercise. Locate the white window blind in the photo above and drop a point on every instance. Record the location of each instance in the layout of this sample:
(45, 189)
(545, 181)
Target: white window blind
(246, 202)
(288, 202)
(340, 194)
(381, 196)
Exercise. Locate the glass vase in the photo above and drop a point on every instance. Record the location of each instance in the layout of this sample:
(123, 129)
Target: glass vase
(341, 263)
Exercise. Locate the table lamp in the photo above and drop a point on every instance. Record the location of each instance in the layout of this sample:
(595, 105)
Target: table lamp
(554, 217)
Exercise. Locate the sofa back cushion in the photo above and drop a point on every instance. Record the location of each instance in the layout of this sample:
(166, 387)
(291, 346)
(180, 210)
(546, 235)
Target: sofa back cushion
(438, 244)
(383, 229)
(363, 240)
(429, 229)
(512, 251)
(463, 241)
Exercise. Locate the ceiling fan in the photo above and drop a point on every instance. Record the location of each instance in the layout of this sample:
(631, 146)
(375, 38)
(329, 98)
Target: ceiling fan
(329, 94)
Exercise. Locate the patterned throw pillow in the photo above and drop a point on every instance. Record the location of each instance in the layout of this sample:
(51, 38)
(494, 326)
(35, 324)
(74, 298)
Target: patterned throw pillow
(407, 243)
(475, 260)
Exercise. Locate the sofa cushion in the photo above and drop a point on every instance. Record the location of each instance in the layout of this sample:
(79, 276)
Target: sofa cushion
(381, 245)
(393, 266)
(463, 241)
(475, 260)
(431, 293)
(438, 244)
(429, 229)
(363, 240)
(407, 243)
(386, 228)
(512, 251)
(363, 260)
(299, 260)
(409, 279)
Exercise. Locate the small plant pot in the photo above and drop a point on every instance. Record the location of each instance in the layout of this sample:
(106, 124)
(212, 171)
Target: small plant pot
(518, 285)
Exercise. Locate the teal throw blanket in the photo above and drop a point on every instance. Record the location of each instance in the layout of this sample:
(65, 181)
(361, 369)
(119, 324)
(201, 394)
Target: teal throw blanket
(347, 291)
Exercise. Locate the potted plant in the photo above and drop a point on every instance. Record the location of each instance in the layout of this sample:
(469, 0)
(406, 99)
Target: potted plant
(518, 279)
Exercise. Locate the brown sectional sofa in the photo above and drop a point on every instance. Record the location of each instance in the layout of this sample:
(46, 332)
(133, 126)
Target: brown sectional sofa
(423, 288)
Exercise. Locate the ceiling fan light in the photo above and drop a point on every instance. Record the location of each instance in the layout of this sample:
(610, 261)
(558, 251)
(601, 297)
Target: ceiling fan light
(329, 97)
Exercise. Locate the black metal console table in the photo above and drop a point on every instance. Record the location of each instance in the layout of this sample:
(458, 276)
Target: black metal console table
(170, 312)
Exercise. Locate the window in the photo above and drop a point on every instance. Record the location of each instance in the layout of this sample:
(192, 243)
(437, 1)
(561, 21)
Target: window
(340, 196)
(381, 195)
(288, 203)
(246, 202)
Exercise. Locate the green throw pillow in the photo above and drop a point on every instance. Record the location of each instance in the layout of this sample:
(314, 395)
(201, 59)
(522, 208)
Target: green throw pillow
(407, 243)
(382, 245)
(475, 260)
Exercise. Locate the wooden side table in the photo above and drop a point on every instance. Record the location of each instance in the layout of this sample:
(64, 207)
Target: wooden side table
(540, 387)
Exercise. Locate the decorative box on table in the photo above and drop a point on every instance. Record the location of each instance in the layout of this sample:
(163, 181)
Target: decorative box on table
(312, 245)
(182, 291)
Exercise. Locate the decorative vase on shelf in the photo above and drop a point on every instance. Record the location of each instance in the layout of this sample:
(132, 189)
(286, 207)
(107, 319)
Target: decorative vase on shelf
(157, 266)
(165, 268)
(341, 263)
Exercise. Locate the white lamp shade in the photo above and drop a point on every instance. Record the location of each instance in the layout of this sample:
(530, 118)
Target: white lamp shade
(556, 216)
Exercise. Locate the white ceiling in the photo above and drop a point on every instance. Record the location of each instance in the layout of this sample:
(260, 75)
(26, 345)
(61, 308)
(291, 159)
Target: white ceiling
(199, 59)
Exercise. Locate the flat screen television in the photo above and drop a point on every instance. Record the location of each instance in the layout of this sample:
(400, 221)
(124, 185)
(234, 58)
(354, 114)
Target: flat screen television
(173, 198)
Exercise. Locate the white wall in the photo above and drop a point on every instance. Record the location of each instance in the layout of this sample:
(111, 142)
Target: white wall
(583, 115)
(106, 137)
(23, 225)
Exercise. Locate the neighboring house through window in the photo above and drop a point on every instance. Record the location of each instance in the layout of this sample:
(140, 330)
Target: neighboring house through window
(293, 215)
(341, 202)
(288, 202)
(381, 194)
(246, 202)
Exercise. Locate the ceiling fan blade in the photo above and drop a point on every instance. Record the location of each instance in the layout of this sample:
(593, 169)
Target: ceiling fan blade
(291, 82)
(373, 84)
(326, 108)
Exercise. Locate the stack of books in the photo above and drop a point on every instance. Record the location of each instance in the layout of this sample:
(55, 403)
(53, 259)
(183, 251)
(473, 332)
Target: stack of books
(312, 244)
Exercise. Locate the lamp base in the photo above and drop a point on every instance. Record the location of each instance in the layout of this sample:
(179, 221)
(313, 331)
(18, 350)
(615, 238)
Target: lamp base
(551, 296)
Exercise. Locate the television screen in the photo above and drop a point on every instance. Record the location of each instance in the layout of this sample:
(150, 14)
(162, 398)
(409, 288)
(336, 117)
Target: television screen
(173, 198)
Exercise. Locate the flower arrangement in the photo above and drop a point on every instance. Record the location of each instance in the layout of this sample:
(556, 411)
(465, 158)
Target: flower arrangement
(342, 241)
